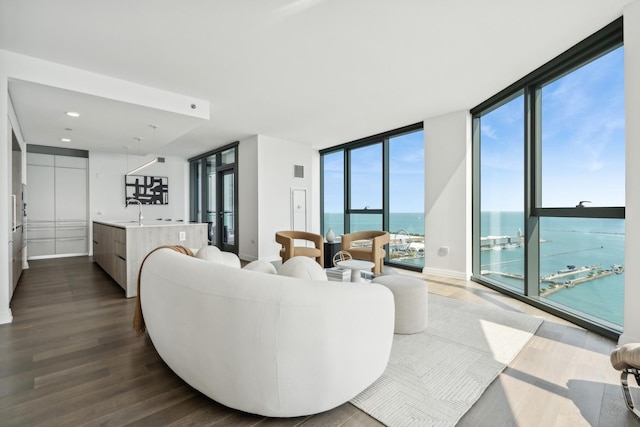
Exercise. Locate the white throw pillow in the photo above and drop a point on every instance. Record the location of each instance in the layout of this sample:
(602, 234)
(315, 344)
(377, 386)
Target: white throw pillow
(302, 267)
(210, 253)
(261, 266)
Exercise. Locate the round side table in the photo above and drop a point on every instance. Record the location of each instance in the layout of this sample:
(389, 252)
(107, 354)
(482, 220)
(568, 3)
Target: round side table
(356, 265)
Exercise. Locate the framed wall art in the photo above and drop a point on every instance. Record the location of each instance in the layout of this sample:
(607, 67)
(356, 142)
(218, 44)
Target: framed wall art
(148, 190)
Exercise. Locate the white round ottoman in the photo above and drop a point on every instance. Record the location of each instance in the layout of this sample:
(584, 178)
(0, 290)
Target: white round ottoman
(410, 295)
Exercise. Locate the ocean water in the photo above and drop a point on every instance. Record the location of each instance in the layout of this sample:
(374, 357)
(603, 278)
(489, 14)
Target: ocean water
(412, 223)
(564, 242)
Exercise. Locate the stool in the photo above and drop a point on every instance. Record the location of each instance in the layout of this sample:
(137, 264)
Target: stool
(627, 360)
(410, 296)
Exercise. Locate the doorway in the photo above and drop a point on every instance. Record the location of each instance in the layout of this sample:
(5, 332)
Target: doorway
(214, 196)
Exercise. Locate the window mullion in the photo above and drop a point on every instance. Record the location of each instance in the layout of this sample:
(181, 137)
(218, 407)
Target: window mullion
(385, 186)
(531, 192)
(347, 191)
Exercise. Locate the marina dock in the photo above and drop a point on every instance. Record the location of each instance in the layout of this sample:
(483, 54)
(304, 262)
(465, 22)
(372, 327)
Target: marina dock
(564, 279)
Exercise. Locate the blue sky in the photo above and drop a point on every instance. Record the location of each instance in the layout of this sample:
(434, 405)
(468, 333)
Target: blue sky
(582, 141)
(406, 176)
(582, 150)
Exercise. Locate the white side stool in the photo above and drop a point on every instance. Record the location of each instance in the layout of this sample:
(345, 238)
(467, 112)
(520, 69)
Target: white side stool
(411, 296)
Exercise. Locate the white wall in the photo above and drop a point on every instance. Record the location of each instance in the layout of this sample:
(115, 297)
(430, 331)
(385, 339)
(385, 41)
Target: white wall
(631, 331)
(106, 187)
(14, 126)
(276, 158)
(248, 198)
(5, 192)
(264, 184)
(447, 151)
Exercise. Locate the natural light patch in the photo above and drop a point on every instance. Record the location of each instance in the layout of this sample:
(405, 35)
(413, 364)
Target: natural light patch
(501, 339)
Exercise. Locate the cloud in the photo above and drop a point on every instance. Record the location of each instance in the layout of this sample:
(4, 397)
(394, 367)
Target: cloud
(488, 131)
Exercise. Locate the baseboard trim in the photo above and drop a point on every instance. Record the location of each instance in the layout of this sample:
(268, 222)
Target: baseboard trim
(445, 273)
(248, 258)
(626, 339)
(6, 317)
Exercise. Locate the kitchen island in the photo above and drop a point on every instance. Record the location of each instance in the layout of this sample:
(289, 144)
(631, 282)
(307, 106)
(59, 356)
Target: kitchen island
(119, 247)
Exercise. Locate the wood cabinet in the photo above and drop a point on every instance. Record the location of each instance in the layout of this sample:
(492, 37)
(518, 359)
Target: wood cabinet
(120, 249)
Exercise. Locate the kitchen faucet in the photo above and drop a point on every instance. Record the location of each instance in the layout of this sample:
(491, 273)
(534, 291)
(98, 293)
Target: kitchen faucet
(129, 201)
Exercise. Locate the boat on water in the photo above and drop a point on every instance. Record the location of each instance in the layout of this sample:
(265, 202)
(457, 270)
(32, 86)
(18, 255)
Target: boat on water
(569, 269)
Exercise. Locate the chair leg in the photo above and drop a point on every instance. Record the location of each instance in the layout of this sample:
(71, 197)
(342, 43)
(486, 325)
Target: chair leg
(628, 400)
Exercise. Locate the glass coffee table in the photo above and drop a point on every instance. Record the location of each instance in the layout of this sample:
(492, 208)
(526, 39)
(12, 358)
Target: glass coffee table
(355, 265)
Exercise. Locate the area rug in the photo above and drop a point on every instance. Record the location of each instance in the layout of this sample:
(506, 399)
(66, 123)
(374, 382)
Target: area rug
(434, 377)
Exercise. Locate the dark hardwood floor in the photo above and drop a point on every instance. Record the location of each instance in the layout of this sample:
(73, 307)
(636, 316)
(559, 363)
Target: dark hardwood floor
(71, 358)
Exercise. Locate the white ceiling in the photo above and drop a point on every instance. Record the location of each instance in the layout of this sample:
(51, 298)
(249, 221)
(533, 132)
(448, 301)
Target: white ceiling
(320, 72)
(103, 125)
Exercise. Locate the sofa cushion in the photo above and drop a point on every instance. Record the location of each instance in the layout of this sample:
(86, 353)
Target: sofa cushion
(230, 259)
(213, 254)
(210, 253)
(302, 267)
(261, 266)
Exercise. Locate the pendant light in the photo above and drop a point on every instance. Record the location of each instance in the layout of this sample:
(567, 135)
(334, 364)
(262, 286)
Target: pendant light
(152, 161)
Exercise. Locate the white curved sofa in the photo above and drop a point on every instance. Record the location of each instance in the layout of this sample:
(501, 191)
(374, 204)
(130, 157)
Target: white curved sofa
(264, 343)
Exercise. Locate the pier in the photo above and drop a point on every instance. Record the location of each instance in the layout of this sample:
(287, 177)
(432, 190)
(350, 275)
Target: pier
(561, 280)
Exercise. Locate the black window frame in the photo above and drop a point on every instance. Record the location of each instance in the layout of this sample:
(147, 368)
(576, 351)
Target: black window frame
(381, 138)
(600, 43)
(199, 162)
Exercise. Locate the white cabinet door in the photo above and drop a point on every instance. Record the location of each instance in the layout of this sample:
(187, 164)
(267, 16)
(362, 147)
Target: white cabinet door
(71, 194)
(41, 194)
(56, 205)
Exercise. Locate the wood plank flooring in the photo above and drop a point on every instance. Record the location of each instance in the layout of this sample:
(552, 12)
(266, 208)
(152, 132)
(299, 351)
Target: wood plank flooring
(70, 358)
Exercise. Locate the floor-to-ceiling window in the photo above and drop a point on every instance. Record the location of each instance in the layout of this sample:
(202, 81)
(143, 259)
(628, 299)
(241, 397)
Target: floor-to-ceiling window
(214, 195)
(406, 199)
(549, 167)
(502, 202)
(365, 206)
(377, 183)
(333, 192)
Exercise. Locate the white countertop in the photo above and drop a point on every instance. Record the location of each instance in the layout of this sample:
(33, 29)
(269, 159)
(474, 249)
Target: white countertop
(145, 223)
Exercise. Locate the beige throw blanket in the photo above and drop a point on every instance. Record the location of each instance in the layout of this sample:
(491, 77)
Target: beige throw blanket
(138, 318)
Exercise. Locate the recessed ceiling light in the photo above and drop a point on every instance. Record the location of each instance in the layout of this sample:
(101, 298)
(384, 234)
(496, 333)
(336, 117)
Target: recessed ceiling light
(73, 114)
(65, 140)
